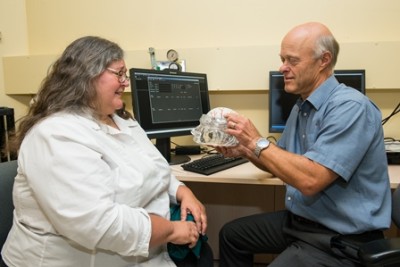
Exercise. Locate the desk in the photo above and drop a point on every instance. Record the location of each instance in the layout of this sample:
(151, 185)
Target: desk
(247, 173)
(236, 192)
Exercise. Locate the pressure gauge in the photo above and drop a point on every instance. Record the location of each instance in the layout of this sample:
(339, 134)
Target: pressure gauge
(174, 66)
(172, 55)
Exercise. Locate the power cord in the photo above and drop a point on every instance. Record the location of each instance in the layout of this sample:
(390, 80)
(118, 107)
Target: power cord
(394, 112)
(272, 139)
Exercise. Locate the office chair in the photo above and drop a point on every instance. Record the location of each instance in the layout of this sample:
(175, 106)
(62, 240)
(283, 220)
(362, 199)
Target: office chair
(380, 252)
(8, 171)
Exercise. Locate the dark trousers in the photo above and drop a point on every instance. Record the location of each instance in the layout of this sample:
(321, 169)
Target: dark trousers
(298, 242)
(206, 258)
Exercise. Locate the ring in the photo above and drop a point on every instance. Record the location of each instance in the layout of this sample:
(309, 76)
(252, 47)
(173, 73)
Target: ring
(233, 125)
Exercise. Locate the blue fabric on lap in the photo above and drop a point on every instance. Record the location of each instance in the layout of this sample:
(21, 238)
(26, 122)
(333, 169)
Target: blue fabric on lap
(179, 252)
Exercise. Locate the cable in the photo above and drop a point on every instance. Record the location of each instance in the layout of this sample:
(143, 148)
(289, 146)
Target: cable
(272, 139)
(394, 112)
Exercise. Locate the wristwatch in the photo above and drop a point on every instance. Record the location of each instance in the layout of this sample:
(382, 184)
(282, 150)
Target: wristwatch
(261, 144)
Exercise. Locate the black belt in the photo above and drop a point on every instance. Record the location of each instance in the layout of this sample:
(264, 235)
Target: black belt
(362, 237)
(308, 222)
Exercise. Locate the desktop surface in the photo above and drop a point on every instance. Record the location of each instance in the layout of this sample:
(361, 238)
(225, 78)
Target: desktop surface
(247, 173)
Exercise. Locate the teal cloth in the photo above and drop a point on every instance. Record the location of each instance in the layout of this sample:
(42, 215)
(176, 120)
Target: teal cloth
(179, 252)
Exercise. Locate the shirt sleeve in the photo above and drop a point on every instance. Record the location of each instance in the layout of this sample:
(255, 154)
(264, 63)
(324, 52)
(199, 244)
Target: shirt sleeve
(173, 189)
(342, 140)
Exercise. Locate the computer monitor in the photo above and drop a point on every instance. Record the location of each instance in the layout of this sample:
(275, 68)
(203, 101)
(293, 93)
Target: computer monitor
(168, 103)
(281, 103)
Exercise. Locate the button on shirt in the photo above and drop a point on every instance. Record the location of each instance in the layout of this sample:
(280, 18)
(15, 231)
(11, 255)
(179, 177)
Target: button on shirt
(340, 128)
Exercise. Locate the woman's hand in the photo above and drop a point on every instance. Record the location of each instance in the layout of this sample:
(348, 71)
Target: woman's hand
(185, 232)
(176, 232)
(190, 204)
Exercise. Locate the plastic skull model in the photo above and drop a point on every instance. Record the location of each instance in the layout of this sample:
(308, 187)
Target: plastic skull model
(211, 130)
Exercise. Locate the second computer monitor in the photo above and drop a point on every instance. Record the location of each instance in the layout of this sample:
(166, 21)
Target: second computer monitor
(281, 103)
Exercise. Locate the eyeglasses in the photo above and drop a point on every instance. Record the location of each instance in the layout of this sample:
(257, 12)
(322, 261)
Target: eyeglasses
(122, 77)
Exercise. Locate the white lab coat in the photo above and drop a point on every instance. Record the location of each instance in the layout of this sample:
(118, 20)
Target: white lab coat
(83, 194)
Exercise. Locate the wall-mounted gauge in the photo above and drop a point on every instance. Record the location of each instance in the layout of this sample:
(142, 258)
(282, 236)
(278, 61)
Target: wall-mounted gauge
(174, 66)
(172, 55)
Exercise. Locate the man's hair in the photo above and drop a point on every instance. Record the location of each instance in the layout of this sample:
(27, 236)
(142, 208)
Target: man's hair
(327, 43)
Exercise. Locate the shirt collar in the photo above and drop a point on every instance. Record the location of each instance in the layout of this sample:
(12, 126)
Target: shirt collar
(322, 93)
(122, 124)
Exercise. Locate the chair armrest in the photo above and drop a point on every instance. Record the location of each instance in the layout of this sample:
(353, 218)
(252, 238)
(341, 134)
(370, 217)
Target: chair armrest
(380, 252)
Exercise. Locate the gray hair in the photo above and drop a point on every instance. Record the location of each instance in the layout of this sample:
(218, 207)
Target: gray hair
(327, 43)
(69, 85)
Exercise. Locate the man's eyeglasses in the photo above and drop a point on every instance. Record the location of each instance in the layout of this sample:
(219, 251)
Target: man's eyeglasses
(122, 77)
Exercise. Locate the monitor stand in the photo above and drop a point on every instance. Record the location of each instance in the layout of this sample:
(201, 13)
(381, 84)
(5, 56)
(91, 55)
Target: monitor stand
(164, 146)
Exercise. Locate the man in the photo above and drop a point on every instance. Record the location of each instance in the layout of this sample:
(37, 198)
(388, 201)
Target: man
(331, 156)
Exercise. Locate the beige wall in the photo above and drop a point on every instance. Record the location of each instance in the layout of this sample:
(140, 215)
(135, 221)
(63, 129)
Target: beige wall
(139, 24)
(46, 27)
(13, 28)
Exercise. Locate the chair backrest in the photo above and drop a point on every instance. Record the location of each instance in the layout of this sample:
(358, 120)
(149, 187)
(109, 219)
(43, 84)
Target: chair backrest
(396, 206)
(8, 171)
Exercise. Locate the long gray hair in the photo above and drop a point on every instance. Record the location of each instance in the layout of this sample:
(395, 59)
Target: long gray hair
(69, 85)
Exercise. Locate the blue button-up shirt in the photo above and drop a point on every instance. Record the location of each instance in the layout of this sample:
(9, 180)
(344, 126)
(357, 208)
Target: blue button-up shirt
(340, 128)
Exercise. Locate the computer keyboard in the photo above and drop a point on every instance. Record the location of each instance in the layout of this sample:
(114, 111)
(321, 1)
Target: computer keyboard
(212, 164)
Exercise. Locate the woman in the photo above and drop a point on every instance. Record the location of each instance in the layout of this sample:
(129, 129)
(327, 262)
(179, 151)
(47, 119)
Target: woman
(91, 188)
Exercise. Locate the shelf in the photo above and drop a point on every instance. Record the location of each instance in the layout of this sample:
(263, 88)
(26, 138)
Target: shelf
(227, 68)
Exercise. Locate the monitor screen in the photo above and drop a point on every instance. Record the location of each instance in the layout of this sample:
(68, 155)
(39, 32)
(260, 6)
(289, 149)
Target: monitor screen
(281, 103)
(168, 103)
